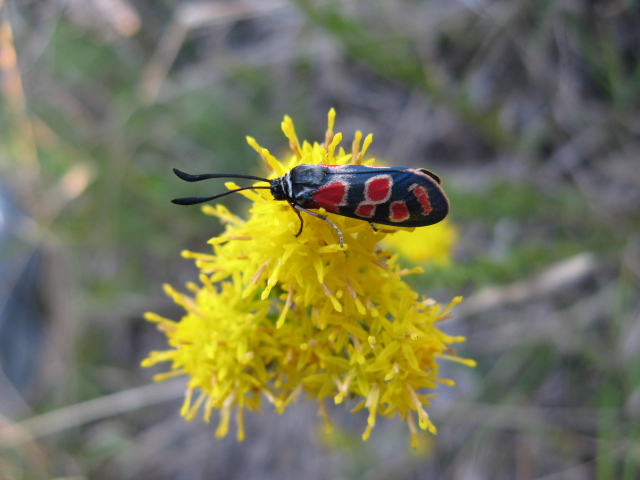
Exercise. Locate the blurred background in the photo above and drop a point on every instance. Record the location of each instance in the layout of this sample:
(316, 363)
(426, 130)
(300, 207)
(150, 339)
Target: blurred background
(529, 111)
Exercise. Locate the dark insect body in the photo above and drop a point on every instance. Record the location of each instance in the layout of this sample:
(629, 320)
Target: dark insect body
(403, 197)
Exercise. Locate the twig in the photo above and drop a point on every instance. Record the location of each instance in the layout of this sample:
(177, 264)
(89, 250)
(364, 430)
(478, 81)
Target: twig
(89, 411)
(559, 275)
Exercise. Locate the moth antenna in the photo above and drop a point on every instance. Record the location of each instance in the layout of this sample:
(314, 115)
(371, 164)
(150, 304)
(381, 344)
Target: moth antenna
(206, 176)
(196, 200)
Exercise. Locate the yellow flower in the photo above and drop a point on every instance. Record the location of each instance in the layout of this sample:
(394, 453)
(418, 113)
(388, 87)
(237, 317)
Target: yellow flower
(278, 316)
(424, 245)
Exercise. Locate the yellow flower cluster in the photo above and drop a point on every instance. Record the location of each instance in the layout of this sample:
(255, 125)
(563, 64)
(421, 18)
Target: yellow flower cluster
(425, 245)
(278, 316)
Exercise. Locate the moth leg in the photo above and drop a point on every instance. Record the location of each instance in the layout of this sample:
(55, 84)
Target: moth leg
(317, 215)
(293, 205)
(375, 229)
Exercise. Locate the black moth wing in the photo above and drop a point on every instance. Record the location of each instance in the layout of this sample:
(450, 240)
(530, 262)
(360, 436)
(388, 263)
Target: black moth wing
(404, 197)
(405, 184)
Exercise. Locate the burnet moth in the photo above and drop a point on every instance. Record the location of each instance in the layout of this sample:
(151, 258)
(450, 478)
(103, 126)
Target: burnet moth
(403, 197)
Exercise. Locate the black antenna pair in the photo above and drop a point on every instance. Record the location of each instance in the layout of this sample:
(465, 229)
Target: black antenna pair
(206, 176)
(273, 186)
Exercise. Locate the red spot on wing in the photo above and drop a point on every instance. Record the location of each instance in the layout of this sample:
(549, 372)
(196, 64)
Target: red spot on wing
(365, 210)
(378, 189)
(331, 195)
(423, 197)
(398, 211)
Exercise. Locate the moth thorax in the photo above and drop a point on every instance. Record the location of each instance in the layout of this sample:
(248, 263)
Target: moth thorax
(278, 189)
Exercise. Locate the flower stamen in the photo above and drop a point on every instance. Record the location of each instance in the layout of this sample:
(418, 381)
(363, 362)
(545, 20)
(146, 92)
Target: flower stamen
(332, 297)
(253, 283)
(287, 306)
(356, 156)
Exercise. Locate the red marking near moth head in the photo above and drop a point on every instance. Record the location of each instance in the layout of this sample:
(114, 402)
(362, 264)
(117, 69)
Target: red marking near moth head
(365, 210)
(333, 194)
(423, 197)
(398, 211)
(378, 189)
